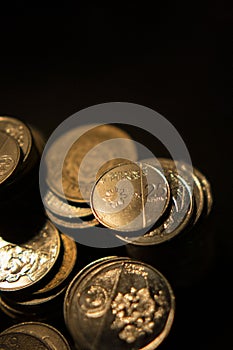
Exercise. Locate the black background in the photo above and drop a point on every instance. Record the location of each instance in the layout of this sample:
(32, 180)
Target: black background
(173, 58)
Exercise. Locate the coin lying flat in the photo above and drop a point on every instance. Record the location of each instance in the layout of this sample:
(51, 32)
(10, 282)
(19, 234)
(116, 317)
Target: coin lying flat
(73, 224)
(22, 266)
(21, 341)
(88, 152)
(9, 156)
(121, 304)
(130, 197)
(59, 207)
(50, 335)
(179, 216)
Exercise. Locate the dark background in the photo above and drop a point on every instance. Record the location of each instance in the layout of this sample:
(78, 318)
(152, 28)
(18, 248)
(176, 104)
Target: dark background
(173, 58)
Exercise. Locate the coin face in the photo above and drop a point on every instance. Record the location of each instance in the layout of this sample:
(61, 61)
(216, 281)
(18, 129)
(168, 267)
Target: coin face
(50, 335)
(179, 216)
(67, 264)
(22, 266)
(67, 171)
(9, 156)
(121, 302)
(61, 208)
(19, 131)
(21, 341)
(130, 197)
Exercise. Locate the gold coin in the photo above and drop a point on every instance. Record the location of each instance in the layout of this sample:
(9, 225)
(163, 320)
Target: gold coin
(84, 158)
(9, 157)
(130, 197)
(67, 264)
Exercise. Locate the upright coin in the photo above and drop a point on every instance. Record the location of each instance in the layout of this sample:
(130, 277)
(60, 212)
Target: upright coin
(130, 197)
(120, 304)
(21, 341)
(19, 131)
(9, 156)
(79, 164)
(23, 266)
(50, 335)
(179, 216)
(188, 174)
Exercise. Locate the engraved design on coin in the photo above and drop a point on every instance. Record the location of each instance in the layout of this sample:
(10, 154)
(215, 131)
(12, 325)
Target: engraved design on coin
(93, 301)
(23, 265)
(19, 261)
(6, 164)
(136, 313)
(17, 132)
(20, 341)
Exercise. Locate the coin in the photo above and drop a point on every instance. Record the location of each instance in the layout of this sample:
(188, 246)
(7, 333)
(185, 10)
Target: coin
(67, 264)
(50, 335)
(9, 156)
(206, 187)
(19, 131)
(130, 197)
(59, 207)
(24, 265)
(34, 304)
(84, 158)
(179, 216)
(72, 224)
(187, 173)
(21, 341)
(122, 304)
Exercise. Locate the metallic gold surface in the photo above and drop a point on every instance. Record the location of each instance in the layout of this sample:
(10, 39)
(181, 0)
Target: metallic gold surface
(67, 264)
(71, 175)
(24, 265)
(121, 302)
(21, 341)
(179, 216)
(19, 131)
(59, 207)
(50, 335)
(130, 197)
(206, 187)
(186, 172)
(78, 224)
(9, 156)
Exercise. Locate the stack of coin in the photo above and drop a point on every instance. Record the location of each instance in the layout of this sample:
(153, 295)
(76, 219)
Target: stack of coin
(34, 275)
(20, 150)
(119, 303)
(72, 163)
(33, 335)
(154, 204)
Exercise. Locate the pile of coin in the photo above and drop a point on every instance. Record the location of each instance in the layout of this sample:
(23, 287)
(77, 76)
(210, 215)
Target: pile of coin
(93, 177)
(20, 150)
